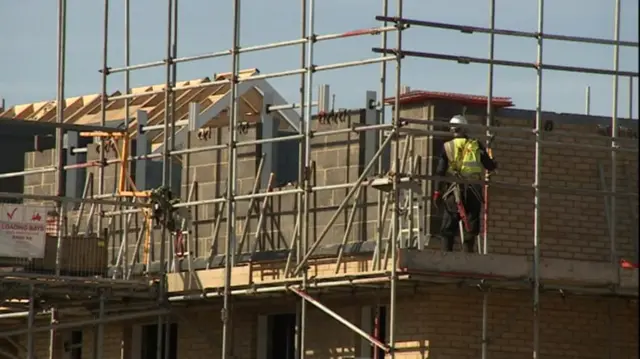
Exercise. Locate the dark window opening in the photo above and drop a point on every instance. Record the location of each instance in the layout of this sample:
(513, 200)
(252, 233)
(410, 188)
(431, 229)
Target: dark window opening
(154, 176)
(281, 336)
(149, 342)
(82, 174)
(287, 158)
(64, 175)
(379, 325)
(13, 161)
(76, 345)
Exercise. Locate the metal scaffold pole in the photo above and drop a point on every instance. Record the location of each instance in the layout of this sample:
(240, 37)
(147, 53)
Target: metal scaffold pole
(172, 54)
(631, 99)
(306, 160)
(394, 245)
(485, 219)
(381, 209)
(103, 107)
(301, 220)
(230, 242)
(98, 349)
(172, 73)
(59, 143)
(31, 323)
(162, 320)
(127, 119)
(614, 134)
(536, 185)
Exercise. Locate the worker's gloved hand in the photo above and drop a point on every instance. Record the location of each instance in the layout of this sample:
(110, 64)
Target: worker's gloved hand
(435, 198)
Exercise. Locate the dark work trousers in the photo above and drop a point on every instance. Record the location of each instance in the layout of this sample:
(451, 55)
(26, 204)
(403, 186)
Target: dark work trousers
(450, 229)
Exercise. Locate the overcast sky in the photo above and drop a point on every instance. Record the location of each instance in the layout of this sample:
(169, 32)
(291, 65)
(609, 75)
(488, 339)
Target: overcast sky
(28, 63)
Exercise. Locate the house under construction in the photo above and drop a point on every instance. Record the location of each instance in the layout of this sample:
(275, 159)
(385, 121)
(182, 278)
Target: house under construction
(215, 218)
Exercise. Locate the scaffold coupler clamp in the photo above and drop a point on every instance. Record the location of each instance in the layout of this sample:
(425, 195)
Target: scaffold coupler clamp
(483, 286)
(307, 172)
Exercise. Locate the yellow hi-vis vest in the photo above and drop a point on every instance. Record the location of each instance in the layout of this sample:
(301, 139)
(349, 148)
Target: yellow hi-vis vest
(464, 157)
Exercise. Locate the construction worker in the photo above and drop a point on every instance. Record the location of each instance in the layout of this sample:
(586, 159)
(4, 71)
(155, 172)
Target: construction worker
(464, 158)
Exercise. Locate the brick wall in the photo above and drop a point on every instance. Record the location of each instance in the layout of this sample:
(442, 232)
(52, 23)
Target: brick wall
(434, 322)
(573, 224)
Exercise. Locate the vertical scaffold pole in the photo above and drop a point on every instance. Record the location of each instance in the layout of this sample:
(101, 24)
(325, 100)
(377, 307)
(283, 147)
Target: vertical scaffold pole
(59, 181)
(306, 160)
(103, 105)
(396, 193)
(166, 175)
(489, 120)
(166, 161)
(100, 332)
(231, 185)
(587, 101)
(631, 97)
(485, 217)
(172, 54)
(30, 323)
(302, 171)
(383, 93)
(536, 185)
(127, 118)
(172, 48)
(614, 133)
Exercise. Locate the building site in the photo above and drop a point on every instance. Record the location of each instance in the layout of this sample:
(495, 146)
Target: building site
(215, 218)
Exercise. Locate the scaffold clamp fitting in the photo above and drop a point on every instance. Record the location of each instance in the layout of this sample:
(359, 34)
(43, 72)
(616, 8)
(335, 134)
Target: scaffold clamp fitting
(224, 315)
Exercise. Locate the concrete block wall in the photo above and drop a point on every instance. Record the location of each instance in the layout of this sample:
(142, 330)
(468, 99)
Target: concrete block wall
(426, 149)
(210, 172)
(40, 183)
(336, 159)
(434, 322)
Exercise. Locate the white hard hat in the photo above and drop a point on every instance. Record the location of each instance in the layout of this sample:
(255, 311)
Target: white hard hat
(458, 120)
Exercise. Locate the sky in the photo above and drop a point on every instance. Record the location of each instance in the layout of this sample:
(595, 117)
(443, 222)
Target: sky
(28, 64)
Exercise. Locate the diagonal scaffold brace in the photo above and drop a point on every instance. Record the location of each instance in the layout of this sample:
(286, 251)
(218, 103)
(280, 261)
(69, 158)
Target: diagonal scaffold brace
(305, 296)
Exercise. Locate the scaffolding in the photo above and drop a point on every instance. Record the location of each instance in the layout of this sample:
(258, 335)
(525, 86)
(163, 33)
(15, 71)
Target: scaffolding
(154, 300)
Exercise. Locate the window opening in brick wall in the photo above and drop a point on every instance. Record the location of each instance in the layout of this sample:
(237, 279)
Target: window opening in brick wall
(82, 174)
(379, 325)
(154, 176)
(149, 342)
(64, 176)
(287, 157)
(75, 345)
(13, 161)
(281, 336)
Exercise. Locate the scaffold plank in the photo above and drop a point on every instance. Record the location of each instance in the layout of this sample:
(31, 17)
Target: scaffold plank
(496, 267)
(272, 273)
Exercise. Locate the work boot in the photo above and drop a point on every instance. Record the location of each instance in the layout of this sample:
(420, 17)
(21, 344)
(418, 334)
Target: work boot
(446, 244)
(469, 246)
